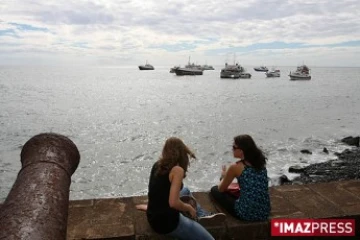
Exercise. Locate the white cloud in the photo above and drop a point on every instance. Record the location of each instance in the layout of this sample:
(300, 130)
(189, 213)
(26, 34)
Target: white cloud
(127, 32)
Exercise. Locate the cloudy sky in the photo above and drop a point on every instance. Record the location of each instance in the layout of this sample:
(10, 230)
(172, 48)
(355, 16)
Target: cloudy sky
(127, 32)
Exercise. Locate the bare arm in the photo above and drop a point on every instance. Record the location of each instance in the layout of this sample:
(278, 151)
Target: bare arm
(233, 171)
(176, 176)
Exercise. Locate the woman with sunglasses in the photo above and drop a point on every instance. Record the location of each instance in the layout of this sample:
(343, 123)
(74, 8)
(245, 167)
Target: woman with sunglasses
(165, 207)
(253, 204)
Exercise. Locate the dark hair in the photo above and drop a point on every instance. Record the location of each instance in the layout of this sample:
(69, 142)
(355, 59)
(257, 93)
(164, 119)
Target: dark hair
(252, 153)
(174, 153)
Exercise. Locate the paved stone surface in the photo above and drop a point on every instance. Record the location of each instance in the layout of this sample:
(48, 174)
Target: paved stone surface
(339, 196)
(311, 204)
(351, 186)
(217, 230)
(118, 218)
(101, 219)
(281, 207)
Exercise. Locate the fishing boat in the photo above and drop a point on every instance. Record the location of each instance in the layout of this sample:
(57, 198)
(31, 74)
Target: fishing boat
(302, 73)
(172, 70)
(273, 73)
(207, 67)
(188, 71)
(147, 66)
(234, 71)
(193, 66)
(261, 69)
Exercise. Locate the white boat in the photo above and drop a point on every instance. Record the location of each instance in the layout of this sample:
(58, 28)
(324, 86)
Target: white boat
(302, 73)
(273, 73)
(261, 69)
(147, 66)
(245, 75)
(234, 71)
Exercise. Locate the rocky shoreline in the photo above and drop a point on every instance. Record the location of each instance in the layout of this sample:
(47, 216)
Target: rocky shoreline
(345, 167)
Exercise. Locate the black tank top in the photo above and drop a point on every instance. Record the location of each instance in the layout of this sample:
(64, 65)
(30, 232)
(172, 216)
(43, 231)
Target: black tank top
(162, 218)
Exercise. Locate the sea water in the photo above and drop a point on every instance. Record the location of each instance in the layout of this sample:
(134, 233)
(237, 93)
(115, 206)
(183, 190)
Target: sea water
(120, 117)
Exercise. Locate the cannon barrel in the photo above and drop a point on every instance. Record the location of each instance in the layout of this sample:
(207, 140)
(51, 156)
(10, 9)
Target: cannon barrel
(37, 204)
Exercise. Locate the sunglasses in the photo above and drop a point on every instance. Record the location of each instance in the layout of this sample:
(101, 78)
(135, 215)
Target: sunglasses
(235, 147)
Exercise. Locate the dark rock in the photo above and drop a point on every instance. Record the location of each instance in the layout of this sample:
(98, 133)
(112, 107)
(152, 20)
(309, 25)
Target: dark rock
(352, 141)
(345, 168)
(337, 163)
(325, 150)
(303, 160)
(284, 179)
(345, 154)
(305, 151)
(296, 169)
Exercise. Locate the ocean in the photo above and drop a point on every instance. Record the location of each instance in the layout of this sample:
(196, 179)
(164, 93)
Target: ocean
(120, 117)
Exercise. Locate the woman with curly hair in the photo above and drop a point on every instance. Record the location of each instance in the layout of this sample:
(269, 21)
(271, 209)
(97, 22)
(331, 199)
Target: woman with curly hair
(165, 207)
(253, 203)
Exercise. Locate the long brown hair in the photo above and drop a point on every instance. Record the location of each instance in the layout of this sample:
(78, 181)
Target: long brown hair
(252, 153)
(174, 153)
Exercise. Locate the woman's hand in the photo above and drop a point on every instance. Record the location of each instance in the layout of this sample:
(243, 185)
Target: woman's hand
(191, 211)
(223, 171)
(232, 172)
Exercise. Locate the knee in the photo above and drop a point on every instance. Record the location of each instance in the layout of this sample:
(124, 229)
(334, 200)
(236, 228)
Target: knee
(214, 190)
(185, 191)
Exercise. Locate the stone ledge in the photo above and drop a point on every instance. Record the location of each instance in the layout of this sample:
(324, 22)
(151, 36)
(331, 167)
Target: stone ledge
(117, 218)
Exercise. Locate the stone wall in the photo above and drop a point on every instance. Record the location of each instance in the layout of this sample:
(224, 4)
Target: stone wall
(117, 218)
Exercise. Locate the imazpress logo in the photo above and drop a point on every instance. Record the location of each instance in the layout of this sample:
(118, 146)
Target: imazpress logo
(312, 227)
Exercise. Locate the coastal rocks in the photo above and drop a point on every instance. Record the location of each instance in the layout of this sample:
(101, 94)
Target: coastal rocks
(305, 151)
(346, 167)
(296, 169)
(352, 141)
(325, 150)
(284, 180)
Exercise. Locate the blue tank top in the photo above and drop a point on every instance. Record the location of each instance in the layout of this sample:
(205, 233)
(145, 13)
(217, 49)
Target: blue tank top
(254, 201)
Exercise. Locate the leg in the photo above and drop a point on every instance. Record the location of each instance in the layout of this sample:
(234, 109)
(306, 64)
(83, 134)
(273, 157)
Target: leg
(188, 229)
(141, 207)
(200, 212)
(224, 200)
(185, 192)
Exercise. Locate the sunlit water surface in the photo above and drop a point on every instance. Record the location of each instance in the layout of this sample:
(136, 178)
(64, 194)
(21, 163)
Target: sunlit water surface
(119, 118)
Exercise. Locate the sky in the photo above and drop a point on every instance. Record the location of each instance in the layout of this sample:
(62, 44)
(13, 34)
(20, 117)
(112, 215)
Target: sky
(125, 32)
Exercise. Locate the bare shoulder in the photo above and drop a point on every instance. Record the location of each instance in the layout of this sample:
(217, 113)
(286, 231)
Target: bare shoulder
(176, 173)
(177, 170)
(237, 168)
